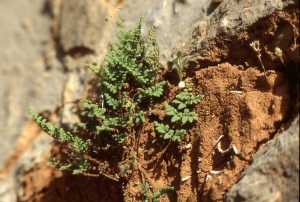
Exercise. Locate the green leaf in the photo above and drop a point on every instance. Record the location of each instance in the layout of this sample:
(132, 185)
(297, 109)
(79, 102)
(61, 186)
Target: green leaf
(179, 135)
(160, 127)
(104, 127)
(168, 134)
(171, 113)
(175, 118)
(82, 167)
(189, 116)
(184, 119)
(191, 119)
(120, 138)
(92, 110)
(181, 106)
(153, 91)
(112, 88)
(186, 96)
(140, 116)
(164, 129)
(184, 62)
(179, 54)
(66, 166)
(170, 110)
(80, 145)
(175, 64)
(110, 101)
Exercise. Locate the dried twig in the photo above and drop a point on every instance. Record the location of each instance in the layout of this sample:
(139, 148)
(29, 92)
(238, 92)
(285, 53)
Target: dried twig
(255, 46)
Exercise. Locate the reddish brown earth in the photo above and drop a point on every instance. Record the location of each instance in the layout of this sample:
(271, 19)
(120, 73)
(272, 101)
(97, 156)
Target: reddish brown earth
(240, 103)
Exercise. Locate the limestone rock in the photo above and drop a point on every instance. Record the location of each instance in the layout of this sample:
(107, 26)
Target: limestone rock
(82, 24)
(274, 172)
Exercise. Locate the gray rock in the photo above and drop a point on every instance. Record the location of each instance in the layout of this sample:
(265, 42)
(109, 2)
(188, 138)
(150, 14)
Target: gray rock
(23, 32)
(83, 23)
(229, 18)
(274, 172)
(32, 73)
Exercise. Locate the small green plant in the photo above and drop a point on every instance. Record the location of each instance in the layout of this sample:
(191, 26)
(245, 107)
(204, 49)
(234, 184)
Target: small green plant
(75, 143)
(130, 81)
(150, 197)
(184, 116)
(183, 113)
(169, 133)
(186, 98)
(178, 65)
(130, 77)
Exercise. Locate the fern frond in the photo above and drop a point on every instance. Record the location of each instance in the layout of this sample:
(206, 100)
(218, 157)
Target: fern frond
(82, 167)
(110, 101)
(92, 110)
(59, 133)
(154, 91)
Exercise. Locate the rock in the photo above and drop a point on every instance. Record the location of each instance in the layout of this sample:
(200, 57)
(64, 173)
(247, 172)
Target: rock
(216, 36)
(47, 89)
(83, 25)
(174, 20)
(274, 172)
(24, 31)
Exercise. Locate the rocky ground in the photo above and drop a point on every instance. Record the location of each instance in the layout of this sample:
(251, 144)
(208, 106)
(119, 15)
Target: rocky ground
(42, 67)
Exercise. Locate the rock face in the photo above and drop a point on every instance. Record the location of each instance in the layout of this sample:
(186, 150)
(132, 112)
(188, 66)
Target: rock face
(232, 20)
(24, 78)
(274, 172)
(83, 24)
